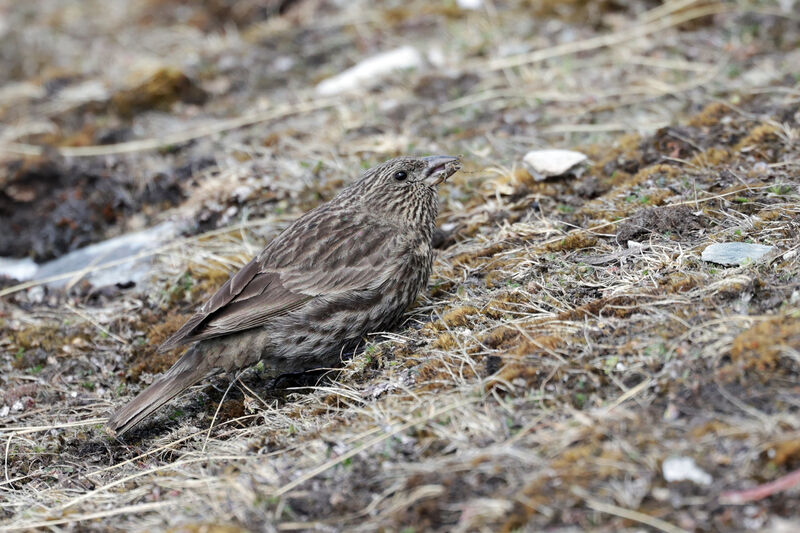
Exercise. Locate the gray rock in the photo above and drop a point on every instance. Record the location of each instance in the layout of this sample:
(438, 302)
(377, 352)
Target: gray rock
(113, 261)
(734, 253)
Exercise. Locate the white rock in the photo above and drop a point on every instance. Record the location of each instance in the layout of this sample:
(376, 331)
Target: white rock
(684, 469)
(36, 294)
(371, 70)
(761, 167)
(242, 193)
(13, 92)
(88, 91)
(734, 253)
(436, 56)
(19, 269)
(470, 4)
(547, 163)
(283, 63)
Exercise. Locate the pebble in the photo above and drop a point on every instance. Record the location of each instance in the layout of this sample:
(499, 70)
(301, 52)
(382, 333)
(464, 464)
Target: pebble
(734, 253)
(684, 469)
(544, 164)
(371, 70)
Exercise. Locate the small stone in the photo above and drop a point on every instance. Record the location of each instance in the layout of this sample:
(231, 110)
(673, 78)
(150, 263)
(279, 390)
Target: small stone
(660, 494)
(18, 269)
(545, 164)
(671, 412)
(760, 167)
(371, 70)
(13, 92)
(283, 63)
(734, 253)
(36, 294)
(684, 469)
(242, 193)
(88, 91)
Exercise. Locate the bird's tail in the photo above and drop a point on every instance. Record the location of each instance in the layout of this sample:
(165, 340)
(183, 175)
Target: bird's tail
(188, 370)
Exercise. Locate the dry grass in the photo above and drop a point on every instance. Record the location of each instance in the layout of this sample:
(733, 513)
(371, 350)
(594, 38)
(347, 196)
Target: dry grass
(571, 338)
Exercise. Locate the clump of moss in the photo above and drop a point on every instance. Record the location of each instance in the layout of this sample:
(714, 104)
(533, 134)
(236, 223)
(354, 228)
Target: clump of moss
(162, 89)
(537, 345)
(770, 214)
(494, 279)
(760, 347)
(230, 410)
(574, 241)
(678, 282)
(509, 301)
(711, 157)
(455, 317)
(45, 336)
(515, 371)
(710, 115)
(499, 336)
(761, 135)
(655, 173)
(159, 328)
(435, 374)
(473, 258)
(618, 306)
(459, 316)
(445, 341)
(786, 451)
(206, 281)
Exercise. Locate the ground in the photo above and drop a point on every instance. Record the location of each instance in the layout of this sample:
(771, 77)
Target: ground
(572, 343)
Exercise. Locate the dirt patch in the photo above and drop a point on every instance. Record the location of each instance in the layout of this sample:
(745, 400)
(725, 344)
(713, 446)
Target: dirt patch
(52, 205)
(678, 221)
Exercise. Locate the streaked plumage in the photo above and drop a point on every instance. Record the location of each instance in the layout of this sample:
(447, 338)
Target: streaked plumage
(346, 268)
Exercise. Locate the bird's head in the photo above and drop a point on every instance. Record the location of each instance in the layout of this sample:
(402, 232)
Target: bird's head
(405, 172)
(405, 187)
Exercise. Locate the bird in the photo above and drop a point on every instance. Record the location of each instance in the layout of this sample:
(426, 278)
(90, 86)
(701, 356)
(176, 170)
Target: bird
(348, 267)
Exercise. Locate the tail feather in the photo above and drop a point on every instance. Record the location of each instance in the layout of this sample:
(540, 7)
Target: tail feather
(188, 370)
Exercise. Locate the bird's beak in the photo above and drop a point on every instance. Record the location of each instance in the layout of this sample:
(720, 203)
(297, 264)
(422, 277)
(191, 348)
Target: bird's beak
(439, 168)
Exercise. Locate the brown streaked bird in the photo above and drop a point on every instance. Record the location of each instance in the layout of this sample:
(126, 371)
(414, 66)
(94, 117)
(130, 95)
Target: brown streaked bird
(348, 267)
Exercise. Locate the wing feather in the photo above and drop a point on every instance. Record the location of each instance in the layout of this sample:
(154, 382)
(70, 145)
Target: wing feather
(336, 257)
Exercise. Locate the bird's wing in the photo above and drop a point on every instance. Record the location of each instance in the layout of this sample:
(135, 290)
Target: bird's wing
(314, 257)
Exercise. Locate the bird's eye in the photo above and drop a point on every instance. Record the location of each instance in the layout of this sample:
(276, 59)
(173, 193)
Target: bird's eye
(400, 175)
